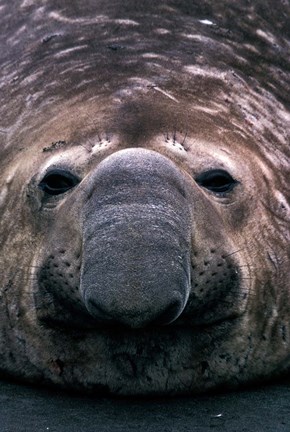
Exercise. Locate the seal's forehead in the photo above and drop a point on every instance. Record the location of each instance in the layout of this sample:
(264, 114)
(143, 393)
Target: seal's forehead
(139, 63)
(115, 48)
(74, 43)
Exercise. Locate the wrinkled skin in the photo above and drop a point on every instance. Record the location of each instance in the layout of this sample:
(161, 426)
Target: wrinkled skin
(144, 194)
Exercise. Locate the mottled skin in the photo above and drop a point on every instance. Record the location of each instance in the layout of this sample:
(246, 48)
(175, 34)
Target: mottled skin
(141, 278)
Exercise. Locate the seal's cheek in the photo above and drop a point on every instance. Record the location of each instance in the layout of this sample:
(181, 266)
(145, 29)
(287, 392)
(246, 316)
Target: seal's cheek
(136, 241)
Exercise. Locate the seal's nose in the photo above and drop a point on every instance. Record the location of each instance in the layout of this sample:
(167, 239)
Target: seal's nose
(162, 315)
(136, 240)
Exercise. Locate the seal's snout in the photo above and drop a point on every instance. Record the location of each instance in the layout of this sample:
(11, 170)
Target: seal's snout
(134, 316)
(136, 241)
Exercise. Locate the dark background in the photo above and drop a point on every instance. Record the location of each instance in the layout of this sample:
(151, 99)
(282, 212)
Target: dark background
(33, 410)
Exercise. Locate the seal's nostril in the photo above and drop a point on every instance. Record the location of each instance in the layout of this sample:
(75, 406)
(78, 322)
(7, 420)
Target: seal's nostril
(134, 317)
(170, 314)
(97, 311)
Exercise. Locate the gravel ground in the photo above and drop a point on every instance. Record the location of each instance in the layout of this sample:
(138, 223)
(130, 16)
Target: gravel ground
(25, 409)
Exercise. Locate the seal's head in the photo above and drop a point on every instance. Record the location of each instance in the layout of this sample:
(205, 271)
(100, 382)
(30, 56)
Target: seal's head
(144, 204)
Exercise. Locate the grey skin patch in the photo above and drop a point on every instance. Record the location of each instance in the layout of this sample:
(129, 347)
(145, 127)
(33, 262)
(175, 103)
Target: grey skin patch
(144, 166)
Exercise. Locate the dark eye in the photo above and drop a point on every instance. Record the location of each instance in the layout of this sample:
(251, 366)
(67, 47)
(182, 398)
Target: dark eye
(57, 182)
(218, 181)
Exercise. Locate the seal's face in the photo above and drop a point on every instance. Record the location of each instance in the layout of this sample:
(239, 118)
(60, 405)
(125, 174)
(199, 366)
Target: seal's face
(144, 234)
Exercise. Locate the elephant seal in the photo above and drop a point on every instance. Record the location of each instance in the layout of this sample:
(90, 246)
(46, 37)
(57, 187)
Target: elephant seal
(144, 194)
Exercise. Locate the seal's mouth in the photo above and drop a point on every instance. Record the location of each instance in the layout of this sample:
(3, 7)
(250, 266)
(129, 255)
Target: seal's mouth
(61, 306)
(205, 308)
(71, 320)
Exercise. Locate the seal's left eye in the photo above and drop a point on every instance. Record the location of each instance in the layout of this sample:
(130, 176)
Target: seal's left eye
(216, 180)
(57, 182)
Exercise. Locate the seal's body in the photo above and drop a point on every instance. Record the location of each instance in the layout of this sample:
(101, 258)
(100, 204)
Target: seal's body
(144, 197)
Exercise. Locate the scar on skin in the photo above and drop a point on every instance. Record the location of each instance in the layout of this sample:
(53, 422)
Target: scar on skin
(163, 92)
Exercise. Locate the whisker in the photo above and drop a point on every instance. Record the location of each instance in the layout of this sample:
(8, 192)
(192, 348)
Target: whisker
(99, 136)
(248, 265)
(184, 139)
(232, 253)
(86, 147)
(174, 137)
(166, 136)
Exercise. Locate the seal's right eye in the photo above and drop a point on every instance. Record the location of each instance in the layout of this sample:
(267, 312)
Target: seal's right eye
(58, 181)
(217, 181)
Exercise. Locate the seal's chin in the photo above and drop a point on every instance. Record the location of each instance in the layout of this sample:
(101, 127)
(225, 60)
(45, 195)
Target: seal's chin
(151, 360)
(175, 357)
